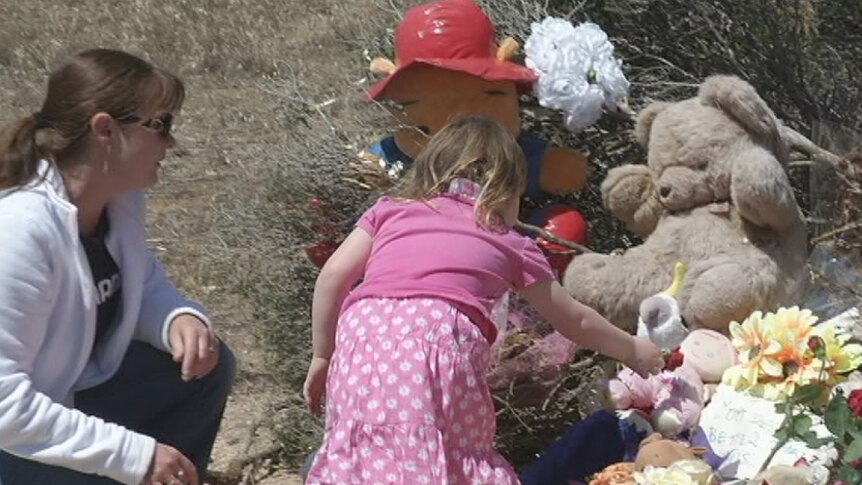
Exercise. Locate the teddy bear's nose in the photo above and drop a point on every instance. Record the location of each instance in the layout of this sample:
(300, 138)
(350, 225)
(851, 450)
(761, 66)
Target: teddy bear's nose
(664, 191)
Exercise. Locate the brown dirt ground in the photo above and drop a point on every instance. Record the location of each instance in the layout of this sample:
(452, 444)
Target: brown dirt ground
(236, 61)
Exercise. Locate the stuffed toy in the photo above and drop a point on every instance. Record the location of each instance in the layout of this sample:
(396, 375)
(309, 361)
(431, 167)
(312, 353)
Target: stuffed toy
(713, 195)
(672, 400)
(783, 475)
(448, 63)
(599, 440)
(708, 353)
(657, 451)
(659, 317)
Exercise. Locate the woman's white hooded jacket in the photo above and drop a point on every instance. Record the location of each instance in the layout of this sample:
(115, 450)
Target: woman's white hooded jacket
(48, 322)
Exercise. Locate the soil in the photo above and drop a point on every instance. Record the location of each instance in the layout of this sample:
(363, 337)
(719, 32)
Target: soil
(236, 69)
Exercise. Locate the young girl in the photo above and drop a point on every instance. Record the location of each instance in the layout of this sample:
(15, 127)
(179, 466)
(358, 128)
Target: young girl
(107, 373)
(403, 357)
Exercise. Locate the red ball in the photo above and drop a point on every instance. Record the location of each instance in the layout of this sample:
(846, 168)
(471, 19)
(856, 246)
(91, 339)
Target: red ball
(566, 223)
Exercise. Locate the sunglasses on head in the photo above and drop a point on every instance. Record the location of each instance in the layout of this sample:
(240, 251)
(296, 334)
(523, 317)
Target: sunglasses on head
(160, 124)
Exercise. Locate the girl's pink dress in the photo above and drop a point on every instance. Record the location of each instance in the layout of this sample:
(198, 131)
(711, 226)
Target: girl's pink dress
(407, 397)
(407, 401)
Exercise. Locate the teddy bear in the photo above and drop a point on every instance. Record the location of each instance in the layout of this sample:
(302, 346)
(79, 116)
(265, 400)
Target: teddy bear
(448, 63)
(713, 195)
(658, 451)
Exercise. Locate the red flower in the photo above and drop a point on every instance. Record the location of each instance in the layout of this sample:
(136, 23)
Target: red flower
(674, 360)
(855, 402)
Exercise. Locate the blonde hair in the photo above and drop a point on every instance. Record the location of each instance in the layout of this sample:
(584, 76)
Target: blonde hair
(478, 149)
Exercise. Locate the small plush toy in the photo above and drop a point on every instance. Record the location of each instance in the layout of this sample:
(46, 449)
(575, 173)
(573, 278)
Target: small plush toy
(672, 400)
(783, 475)
(708, 353)
(448, 63)
(713, 195)
(661, 452)
(659, 317)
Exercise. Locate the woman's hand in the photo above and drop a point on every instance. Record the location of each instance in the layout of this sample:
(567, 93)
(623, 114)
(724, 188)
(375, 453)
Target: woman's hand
(170, 467)
(193, 344)
(315, 384)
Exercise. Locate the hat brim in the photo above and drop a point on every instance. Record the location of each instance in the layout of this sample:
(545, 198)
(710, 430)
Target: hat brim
(488, 69)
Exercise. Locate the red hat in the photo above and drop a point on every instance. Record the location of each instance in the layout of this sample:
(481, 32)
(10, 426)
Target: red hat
(455, 35)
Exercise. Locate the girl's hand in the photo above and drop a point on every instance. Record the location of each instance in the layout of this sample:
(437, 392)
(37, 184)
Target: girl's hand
(646, 357)
(315, 384)
(193, 344)
(170, 467)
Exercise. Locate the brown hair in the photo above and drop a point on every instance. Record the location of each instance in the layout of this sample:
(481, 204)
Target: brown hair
(476, 148)
(87, 83)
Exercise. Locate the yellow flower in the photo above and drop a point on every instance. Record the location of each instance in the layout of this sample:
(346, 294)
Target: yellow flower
(756, 348)
(841, 357)
(781, 351)
(792, 324)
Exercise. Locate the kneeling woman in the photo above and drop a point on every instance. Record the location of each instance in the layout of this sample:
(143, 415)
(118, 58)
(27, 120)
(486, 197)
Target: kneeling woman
(107, 373)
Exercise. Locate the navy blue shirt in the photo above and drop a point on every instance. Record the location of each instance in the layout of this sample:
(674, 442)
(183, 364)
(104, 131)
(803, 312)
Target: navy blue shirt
(106, 277)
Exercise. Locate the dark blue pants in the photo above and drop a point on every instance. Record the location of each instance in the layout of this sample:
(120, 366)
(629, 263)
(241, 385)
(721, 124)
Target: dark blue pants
(147, 396)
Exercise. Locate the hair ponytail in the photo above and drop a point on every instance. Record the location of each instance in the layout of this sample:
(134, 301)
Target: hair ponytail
(89, 82)
(19, 155)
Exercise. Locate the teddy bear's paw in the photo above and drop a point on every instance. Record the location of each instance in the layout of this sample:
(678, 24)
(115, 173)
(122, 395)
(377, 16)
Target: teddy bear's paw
(629, 192)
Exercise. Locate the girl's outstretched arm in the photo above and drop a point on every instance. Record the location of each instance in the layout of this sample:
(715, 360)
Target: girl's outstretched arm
(584, 326)
(336, 278)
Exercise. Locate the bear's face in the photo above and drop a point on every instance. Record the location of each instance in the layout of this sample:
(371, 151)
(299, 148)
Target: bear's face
(427, 97)
(690, 147)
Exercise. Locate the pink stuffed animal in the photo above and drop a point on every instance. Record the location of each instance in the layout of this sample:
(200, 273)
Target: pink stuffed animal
(674, 399)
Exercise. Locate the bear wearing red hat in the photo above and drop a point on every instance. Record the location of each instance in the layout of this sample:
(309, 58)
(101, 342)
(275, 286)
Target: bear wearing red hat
(448, 63)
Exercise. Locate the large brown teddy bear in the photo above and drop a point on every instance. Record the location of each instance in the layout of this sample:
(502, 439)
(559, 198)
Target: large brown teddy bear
(713, 195)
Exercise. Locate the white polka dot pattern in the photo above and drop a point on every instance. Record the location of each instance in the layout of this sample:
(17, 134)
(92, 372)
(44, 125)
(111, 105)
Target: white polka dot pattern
(407, 400)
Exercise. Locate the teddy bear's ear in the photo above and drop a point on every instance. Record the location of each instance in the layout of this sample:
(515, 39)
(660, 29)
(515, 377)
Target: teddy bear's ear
(645, 119)
(740, 101)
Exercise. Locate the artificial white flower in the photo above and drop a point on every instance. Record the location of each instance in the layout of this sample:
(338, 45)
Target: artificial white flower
(577, 70)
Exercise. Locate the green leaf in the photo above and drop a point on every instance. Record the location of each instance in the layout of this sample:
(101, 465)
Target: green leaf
(808, 393)
(848, 474)
(801, 425)
(854, 451)
(837, 416)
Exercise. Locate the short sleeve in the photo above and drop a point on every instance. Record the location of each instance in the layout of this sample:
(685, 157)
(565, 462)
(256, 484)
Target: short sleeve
(371, 218)
(535, 267)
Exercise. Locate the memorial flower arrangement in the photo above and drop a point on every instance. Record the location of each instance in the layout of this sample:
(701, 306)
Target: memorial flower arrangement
(786, 357)
(578, 73)
(782, 351)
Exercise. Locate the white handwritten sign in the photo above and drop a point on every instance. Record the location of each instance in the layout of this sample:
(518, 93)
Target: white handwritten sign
(743, 427)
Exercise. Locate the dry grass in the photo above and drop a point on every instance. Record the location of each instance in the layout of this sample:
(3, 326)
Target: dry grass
(273, 116)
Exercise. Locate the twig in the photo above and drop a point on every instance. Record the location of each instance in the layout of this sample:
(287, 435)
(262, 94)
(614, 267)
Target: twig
(799, 142)
(514, 413)
(581, 364)
(834, 232)
(550, 237)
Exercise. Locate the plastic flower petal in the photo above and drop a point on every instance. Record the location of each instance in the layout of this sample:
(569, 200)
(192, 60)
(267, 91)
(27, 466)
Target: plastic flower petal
(578, 73)
(843, 357)
(663, 476)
